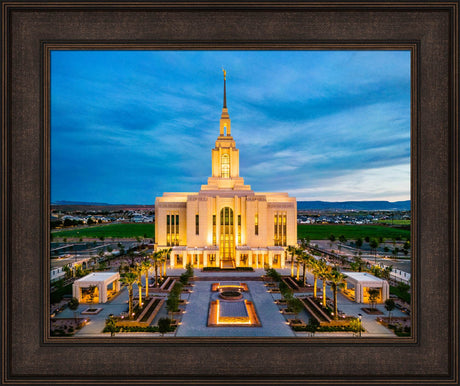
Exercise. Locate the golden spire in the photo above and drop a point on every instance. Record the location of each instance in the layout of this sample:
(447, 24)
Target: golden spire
(225, 91)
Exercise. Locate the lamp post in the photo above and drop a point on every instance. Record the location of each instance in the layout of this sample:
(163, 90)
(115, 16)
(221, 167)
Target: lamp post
(360, 324)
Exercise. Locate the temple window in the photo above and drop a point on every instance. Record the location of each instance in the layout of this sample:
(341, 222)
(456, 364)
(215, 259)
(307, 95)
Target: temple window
(225, 166)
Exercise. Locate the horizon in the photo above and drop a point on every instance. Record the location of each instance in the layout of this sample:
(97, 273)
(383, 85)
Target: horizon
(118, 204)
(331, 126)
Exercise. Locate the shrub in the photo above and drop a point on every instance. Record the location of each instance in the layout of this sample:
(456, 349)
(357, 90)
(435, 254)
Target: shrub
(164, 325)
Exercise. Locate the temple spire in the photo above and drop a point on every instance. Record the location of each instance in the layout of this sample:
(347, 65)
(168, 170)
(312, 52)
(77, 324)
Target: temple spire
(225, 90)
(225, 118)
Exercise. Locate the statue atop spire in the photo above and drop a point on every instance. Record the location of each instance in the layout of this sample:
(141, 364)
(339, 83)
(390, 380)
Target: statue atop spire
(225, 91)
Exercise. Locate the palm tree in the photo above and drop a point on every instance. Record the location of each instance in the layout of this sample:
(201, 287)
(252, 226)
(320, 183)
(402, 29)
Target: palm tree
(138, 271)
(128, 280)
(336, 281)
(298, 260)
(166, 253)
(291, 250)
(156, 261)
(323, 272)
(316, 270)
(145, 268)
(303, 258)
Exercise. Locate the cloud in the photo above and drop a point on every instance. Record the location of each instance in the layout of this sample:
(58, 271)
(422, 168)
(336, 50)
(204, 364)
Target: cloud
(128, 124)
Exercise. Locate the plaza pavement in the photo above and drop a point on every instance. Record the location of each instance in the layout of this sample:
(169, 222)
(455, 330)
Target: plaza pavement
(194, 320)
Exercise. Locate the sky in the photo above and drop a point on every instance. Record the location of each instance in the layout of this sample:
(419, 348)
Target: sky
(127, 126)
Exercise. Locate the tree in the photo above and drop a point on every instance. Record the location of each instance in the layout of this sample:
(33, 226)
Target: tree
(317, 269)
(291, 249)
(128, 280)
(146, 264)
(373, 294)
(374, 244)
(164, 324)
(355, 325)
(298, 260)
(111, 325)
(323, 273)
(172, 303)
(155, 258)
(359, 242)
(165, 255)
(342, 239)
(390, 305)
(331, 239)
(336, 281)
(138, 271)
(68, 271)
(312, 325)
(73, 305)
(306, 241)
(304, 259)
(285, 291)
(386, 272)
(295, 305)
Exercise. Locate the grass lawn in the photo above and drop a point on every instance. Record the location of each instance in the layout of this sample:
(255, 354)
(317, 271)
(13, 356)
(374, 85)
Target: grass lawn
(110, 230)
(404, 295)
(395, 222)
(351, 232)
(315, 232)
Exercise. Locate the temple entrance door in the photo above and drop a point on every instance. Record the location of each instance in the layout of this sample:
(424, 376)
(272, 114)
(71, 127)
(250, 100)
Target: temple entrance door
(227, 240)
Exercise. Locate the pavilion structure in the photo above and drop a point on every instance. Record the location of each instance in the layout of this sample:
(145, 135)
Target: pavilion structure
(358, 285)
(107, 284)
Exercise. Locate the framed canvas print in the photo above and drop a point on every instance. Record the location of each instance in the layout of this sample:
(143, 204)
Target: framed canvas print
(261, 199)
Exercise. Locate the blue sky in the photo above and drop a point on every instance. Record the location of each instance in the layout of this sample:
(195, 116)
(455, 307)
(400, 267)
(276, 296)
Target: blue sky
(127, 126)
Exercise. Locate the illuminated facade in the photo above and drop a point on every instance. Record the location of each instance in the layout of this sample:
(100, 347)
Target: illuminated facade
(226, 224)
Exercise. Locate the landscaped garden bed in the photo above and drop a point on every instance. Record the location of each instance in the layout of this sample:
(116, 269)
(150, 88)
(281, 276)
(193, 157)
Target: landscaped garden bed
(400, 325)
(66, 326)
(372, 311)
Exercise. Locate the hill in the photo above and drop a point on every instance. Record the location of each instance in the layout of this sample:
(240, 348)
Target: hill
(353, 205)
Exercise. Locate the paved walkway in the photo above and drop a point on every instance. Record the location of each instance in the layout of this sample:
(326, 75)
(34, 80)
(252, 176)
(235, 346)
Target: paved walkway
(194, 321)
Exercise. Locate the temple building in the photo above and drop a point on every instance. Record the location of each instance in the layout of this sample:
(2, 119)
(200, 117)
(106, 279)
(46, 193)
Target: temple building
(226, 224)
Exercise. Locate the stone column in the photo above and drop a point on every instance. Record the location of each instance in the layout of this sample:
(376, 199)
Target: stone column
(102, 288)
(250, 258)
(270, 259)
(76, 293)
(205, 259)
(237, 258)
(184, 259)
(283, 260)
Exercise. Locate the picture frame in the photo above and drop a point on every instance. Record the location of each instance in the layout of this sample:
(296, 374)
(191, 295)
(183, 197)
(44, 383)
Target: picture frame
(30, 30)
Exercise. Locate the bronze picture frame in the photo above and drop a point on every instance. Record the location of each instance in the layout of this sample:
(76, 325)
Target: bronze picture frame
(31, 29)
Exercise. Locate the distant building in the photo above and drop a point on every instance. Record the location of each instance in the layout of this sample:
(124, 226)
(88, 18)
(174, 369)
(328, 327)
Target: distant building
(226, 224)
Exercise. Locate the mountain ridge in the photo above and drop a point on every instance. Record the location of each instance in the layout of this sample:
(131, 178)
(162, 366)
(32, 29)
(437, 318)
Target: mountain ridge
(301, 205)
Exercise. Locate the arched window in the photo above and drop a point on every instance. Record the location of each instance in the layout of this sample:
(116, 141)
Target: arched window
(225, 166)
